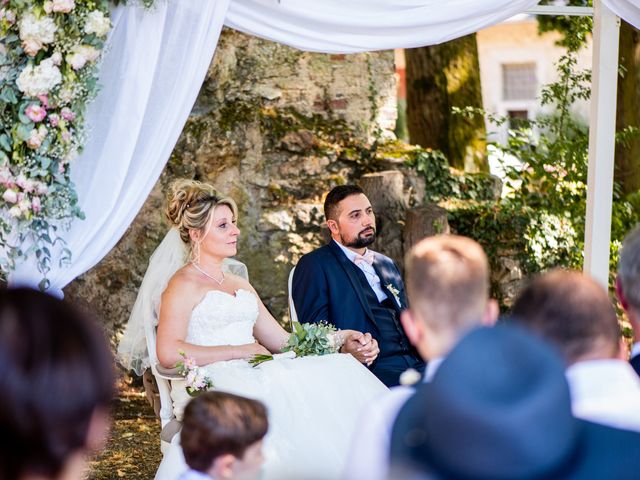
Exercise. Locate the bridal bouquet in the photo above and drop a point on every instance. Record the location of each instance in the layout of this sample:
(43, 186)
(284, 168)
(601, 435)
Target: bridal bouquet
(308, 339)
(197, 379)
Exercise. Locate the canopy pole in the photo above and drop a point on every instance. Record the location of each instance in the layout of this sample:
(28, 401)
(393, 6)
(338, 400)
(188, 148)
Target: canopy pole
(602, 127)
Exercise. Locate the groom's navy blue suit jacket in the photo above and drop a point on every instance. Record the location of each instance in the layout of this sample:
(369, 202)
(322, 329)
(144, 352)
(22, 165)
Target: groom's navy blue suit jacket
(328, 286)
(325, 287)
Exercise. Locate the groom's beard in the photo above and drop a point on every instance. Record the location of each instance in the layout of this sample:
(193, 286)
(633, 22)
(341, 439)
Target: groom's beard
(364, 239)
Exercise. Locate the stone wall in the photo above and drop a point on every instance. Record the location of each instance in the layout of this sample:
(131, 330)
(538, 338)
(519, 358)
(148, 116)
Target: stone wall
(274, 128)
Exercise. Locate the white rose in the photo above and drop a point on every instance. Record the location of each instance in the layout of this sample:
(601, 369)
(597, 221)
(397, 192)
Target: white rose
(56, 58)
(40, 79)
(36, 32)
(63, 6)
(25, 205)
(10, 196)
(15, 211)
(81, 55)
(97, 23)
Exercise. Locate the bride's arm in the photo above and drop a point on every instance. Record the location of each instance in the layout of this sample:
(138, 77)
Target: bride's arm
(176, 306)
(267, 330)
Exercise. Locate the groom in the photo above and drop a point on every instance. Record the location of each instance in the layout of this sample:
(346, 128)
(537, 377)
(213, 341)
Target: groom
(355, 288)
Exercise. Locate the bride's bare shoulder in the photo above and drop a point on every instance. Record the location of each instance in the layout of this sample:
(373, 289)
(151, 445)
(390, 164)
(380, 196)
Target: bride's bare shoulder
(183, 282)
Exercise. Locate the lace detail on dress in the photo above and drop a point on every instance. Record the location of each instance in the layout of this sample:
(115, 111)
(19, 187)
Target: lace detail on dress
(223, 319)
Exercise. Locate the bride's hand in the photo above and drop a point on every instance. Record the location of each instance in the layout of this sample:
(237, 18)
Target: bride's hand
(361, 345)
(249, 350)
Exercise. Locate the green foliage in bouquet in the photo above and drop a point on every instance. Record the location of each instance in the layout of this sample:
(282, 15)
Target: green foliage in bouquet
(306, 339)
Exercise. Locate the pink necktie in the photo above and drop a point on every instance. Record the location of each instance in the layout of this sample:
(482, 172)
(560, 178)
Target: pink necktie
(367, 258)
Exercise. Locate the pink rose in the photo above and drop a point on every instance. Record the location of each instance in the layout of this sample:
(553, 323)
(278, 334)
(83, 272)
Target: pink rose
(67, 114)
(44, 99)
(63, 6)
(10, 196)
(35, 204)
(35, 140)
(31, 46)
(66, 136)
(35, 112)
(54, 119)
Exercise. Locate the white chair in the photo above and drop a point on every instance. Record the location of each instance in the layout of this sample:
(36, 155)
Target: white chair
(163, 376)
(293, 316)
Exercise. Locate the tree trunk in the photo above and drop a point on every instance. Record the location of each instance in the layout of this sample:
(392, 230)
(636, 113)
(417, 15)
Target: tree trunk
(385, 191)
(438, 78)
(425, 221)
(627, 160)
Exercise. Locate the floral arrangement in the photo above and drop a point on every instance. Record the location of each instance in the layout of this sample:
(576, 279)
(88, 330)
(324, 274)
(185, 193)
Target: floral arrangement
(49, 56)
(48, 73)
(306, 339)
(196, 378)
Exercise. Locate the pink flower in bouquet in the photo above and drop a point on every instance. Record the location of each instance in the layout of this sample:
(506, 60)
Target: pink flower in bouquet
(35, 204)
(10, 196)
(35, 112)
(8, 15)
(44, 99)
(41, 188)
(63, 6)
(56, 58)
(54, 119)
(68, 114)
(66, 136)
(61, 168)
(35, 140)
(190, 363)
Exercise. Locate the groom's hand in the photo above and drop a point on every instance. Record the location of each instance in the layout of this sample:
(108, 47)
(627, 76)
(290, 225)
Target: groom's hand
(362, 346)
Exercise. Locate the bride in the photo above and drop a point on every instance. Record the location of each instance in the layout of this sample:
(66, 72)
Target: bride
(217, 318)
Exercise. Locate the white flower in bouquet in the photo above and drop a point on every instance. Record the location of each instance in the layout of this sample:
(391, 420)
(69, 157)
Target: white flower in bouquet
(97, 23)
(36, 32)
(25, 205)
(62, 6)
(15, 212)
(39, 79)
(81, 55)
(10, 196)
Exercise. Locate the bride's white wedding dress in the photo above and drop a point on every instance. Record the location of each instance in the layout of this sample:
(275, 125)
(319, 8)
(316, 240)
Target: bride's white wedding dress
(313, 402)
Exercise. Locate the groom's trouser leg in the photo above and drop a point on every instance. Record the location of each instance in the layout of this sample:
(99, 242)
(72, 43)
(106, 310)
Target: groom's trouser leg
(389, 369)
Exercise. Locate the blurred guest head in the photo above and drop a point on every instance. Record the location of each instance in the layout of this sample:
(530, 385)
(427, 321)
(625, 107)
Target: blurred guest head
(447, 279)
(573, 312)
(628, 281)
(499, 408)
(222, 435)
(56, 384)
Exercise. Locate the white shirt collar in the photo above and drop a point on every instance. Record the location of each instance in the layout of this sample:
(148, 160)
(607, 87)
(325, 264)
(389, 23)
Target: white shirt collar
(432, 367)
(351, 255)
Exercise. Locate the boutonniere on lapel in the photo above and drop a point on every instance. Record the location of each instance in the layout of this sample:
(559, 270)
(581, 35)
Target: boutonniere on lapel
(396, 294)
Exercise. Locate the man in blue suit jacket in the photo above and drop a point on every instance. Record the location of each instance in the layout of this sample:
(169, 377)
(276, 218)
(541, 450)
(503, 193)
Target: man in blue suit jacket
(628, 288)
(354, 288)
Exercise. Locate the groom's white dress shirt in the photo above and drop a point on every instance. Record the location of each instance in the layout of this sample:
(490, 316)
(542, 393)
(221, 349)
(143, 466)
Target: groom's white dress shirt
(605, 391)
(369, 272)
(371, 444)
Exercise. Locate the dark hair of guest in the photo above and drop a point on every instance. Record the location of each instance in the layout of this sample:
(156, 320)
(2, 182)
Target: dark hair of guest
(56, 370)
(335, 196)
(219, 423)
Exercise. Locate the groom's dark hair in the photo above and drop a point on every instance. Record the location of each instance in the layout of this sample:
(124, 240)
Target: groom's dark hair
(335, 196)
(219, 423)
(56, 372)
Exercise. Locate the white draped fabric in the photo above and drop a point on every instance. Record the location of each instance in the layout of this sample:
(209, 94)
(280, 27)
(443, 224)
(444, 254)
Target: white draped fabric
(629, 10)
(348, 26)
(156, 64)
(151, 75)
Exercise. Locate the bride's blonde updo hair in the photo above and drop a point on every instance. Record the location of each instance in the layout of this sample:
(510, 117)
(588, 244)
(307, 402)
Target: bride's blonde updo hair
(190, 204)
